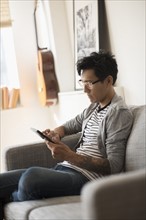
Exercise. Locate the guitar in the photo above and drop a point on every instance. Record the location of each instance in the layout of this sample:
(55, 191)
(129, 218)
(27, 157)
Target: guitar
(48, 87)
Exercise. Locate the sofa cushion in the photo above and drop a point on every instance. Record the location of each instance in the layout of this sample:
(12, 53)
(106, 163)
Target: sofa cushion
(21, 210)
(57, 212)
(136, 149)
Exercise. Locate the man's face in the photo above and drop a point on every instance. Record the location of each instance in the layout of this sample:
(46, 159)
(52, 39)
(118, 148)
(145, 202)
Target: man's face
(97, 91)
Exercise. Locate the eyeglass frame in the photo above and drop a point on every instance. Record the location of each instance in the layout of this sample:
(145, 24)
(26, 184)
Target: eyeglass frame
(89, 84)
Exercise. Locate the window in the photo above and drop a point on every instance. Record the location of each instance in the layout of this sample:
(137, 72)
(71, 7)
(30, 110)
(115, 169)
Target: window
(9, 82)
(9, 72)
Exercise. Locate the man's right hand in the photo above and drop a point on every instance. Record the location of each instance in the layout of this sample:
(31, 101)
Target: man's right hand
(52, 134)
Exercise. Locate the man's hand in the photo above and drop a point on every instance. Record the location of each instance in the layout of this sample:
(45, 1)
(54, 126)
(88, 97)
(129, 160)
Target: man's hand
(51, 134)
(62, 152)
(59, 150)
(57, 133)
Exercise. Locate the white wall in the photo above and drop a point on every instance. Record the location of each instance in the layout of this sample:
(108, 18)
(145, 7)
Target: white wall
(126, 21)
(30, 113)
(63, 43)
(16, 123)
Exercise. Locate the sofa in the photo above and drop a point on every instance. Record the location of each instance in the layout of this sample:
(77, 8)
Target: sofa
(115, 197)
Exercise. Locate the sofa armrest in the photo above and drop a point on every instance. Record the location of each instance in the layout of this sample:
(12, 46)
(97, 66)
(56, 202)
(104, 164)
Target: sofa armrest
(24, 156)
(36, 154)
(115, 197)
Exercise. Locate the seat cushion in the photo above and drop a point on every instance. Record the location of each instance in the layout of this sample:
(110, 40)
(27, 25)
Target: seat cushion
(57, 212)
(136, 146)
(21, 210)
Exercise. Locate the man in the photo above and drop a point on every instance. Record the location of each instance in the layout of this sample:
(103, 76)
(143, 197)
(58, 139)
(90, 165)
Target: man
(105, 126)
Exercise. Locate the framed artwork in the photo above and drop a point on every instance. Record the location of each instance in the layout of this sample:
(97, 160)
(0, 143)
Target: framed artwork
(86, 30)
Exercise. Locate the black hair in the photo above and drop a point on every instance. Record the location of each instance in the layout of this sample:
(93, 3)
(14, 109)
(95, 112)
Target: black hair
(103, 63)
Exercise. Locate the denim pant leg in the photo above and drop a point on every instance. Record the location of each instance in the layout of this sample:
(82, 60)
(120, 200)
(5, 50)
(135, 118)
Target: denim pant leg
(8, 183)
(38, 182)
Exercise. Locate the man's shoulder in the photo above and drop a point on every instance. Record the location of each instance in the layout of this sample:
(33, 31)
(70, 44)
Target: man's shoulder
(118, 103)
(118, 106)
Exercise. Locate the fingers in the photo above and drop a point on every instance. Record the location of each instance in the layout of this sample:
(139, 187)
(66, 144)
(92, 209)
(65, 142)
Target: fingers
(46, 132)
(53, 135)
(59, 150)
(50, 148)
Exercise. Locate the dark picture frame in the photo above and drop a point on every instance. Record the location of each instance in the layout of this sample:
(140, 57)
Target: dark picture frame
(86, 38)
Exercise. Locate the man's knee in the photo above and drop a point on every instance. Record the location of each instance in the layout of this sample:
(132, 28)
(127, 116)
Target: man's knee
(27, 184)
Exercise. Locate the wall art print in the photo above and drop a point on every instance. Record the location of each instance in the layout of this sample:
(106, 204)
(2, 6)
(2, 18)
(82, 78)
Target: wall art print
(86, 30)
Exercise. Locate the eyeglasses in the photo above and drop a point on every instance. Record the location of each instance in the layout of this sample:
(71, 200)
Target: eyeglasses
(89, 84)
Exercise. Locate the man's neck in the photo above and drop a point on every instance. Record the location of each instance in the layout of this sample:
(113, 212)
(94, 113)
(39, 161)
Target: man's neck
(107, 99)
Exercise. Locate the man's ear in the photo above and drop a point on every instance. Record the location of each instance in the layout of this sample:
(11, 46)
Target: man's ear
(109, 80)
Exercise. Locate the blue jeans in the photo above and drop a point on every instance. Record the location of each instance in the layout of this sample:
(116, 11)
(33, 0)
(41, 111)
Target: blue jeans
(38, 182)
(8, 183)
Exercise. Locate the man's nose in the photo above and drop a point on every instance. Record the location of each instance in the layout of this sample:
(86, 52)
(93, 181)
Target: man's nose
(86, 89)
